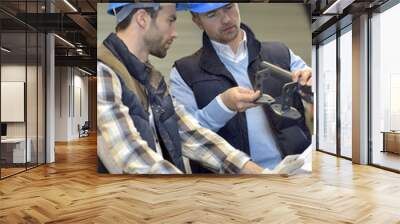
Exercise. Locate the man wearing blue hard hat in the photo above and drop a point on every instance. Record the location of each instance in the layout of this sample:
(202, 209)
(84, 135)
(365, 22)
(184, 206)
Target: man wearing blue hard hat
(140, 129)
(216, 85)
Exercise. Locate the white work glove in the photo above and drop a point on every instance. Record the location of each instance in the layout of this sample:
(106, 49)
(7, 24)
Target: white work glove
(287, 166)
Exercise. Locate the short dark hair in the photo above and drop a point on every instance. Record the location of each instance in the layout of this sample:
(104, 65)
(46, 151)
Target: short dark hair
(127, 21)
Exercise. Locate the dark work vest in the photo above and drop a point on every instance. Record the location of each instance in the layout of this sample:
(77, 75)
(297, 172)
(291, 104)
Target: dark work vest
(143, 86)
(207, 77)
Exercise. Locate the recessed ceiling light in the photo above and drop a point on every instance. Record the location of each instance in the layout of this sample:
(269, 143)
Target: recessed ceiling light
(337, 7)
(84, 71)
(5, 50)
(70, 5)
(64, 40)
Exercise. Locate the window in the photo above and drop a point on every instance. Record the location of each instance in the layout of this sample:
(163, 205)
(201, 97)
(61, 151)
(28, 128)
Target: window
(385, 88)
(327, 96)
(346, 92)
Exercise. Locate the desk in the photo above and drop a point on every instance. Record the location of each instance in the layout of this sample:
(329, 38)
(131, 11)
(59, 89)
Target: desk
(391, 141)
(17, 150)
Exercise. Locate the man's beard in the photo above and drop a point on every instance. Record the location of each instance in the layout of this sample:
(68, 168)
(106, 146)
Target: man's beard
(228, 37)
(155, 44)
(157, 49)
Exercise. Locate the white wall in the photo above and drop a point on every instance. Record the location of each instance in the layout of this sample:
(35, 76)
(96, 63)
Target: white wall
(71, 94)
(61, 103)
(12, 100)
(14, 73)
(80, 103)
(33, 126)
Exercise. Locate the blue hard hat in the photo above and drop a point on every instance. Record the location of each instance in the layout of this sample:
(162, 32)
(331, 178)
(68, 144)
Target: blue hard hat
(122, 10)
(116, 6)
(203, 7)
(182, 6)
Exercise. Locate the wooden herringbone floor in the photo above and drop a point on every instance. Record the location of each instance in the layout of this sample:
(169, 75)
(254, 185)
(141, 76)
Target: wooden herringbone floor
(70, 191)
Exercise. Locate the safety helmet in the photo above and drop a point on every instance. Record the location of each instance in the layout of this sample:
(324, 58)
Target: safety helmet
(113, 7)
(122, 10)
(203, 7)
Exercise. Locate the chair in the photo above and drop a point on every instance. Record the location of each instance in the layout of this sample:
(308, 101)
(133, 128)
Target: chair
(84, 130)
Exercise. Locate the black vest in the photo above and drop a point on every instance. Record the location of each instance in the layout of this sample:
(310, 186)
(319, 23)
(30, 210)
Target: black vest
(207, 76)
(143, 86)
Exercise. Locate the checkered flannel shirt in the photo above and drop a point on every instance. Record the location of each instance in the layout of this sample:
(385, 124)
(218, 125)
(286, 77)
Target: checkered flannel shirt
(132, 154)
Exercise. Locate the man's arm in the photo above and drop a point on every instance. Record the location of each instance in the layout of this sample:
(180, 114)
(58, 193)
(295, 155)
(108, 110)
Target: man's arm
(213, 116)
(129, 151)
(220, 110)
(300, 70)
(203, 145)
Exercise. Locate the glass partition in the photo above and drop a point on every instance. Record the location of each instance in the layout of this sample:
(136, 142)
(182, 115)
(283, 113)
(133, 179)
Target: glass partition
(346, 93)
(385, 89)
(327, 96)
(14, 153)
(22, 88)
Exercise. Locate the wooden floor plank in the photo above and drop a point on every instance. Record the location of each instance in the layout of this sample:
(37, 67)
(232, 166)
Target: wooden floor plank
(71, 191)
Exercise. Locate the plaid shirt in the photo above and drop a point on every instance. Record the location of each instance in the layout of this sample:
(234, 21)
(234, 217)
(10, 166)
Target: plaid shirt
(131, 154)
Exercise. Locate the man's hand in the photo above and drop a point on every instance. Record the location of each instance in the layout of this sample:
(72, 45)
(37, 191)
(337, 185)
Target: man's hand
(287, 166)
(304, 77)
(239, 99)
(251, 168)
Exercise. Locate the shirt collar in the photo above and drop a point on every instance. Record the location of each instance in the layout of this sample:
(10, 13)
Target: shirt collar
(223, 50)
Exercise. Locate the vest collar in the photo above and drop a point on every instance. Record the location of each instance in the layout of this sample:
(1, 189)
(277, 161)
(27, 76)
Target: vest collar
(210, 62)
(139, 70)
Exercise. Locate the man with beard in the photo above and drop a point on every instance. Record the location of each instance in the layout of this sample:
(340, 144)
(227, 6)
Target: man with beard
(216, 85)
(140, 129)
